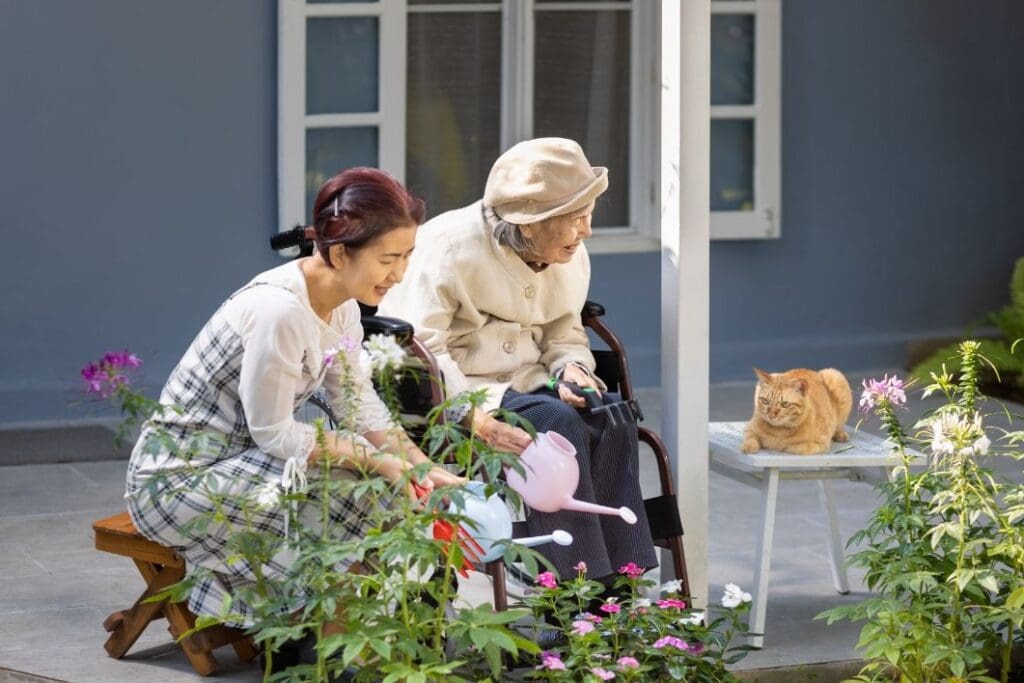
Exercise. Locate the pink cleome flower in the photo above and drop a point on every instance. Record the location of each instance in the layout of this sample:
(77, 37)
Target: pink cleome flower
(581, 567)
(603, 674)
(610, 608)
(592, 617)
(106, 375)
(891, 389)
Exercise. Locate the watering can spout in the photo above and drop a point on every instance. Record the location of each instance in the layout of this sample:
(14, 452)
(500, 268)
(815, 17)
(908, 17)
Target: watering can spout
(627, 515)
(557, 536)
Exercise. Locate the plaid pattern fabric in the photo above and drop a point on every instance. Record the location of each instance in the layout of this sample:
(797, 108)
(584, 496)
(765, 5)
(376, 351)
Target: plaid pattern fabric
(166, 492)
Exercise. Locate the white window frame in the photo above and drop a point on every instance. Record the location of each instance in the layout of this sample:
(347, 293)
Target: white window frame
(764, 220)
(642, 234)
(292, 120)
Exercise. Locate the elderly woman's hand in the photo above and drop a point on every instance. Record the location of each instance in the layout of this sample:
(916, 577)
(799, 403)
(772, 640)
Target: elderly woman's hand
(578, 376)
(499, 435)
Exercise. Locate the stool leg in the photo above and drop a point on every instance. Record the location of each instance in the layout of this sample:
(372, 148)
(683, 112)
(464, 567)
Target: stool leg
(181, 620)
(134, 620)
(763, 560)
(496, 570)
(835, 541)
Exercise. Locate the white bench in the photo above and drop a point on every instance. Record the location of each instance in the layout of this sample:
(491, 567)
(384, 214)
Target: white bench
(864, 455)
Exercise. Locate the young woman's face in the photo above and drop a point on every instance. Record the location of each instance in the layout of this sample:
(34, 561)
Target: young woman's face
(557, 239)
(371, 271)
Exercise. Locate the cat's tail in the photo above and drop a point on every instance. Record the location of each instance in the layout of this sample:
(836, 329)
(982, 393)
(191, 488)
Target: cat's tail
(839, 390)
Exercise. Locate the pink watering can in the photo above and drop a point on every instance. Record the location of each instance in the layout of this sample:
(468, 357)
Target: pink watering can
(552, 476)
(488, 526)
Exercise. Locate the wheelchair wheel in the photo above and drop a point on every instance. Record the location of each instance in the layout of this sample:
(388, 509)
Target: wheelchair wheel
(316, 407)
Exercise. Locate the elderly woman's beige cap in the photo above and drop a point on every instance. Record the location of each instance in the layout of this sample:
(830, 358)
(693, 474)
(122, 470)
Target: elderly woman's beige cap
(537, 179)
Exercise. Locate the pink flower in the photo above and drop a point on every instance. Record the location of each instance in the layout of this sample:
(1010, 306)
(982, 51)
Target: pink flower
(551, 660)
(628, 663)
(592, 617)
(582, 627)
(888, 389)
(671, 603)
(671, 641)
(603, 674)
(120, 359)
(610, 608)
(546, 579)
(105, 376)
(631, 570)
(581, 567)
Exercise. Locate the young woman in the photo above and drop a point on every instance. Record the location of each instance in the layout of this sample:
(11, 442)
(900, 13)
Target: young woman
(260, 356)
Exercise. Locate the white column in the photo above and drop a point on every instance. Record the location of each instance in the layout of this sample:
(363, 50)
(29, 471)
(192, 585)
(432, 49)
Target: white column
(685, 167)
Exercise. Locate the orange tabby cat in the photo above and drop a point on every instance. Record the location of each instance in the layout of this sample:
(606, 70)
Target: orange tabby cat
(799, 411)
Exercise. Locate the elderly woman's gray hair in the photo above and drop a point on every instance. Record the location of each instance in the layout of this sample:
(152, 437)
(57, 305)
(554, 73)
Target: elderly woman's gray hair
(508, 234)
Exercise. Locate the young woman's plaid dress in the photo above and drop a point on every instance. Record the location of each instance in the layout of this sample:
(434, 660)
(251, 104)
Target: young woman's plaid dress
(164, 492)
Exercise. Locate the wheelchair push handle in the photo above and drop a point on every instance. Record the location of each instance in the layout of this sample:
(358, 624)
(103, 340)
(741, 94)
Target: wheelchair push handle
(296, 237)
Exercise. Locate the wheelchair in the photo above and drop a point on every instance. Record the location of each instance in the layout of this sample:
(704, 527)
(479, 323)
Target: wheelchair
(420, 393)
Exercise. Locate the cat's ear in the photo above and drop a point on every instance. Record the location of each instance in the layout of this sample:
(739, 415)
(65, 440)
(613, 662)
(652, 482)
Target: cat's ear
(764, 377)
(801, 385)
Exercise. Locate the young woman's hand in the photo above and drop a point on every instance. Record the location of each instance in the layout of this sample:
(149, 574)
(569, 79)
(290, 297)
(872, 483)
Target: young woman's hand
(394, 470)
(499, 435)
(439, 476)
(575, 374)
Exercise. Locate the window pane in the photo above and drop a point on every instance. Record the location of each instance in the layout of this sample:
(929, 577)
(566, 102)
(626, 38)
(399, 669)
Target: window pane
(582, 81)
(329, 2)
(341, 65)
(732, 165)
(732, 59)
(331, 150)
(451, 2)
(454, 106)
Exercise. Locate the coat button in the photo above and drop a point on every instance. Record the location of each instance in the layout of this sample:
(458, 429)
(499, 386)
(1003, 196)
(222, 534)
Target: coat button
(508, 347)
(529, 291)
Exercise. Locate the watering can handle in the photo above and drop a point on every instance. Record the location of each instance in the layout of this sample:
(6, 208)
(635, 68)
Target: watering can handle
(588, 394)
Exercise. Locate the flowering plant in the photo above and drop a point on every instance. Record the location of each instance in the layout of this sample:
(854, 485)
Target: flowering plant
(633, 637)
(945, 550)
(396, 615)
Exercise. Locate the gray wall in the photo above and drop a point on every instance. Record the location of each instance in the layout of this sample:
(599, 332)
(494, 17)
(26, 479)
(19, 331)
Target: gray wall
(138, 167)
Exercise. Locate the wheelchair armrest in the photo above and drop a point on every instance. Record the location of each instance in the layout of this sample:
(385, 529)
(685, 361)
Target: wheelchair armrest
(395, 327)
(592, 309)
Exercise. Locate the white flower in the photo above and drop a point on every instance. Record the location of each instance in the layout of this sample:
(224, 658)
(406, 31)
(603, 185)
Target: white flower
(734, 595)
(949, 430)
(381, 353)
(672, 586)
(692, 619)
(642, 602)
(268, 495)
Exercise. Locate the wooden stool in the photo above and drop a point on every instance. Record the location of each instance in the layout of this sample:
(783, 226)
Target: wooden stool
(160, 567)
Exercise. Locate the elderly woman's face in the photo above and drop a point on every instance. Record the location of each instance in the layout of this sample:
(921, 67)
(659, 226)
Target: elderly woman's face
(557, 239)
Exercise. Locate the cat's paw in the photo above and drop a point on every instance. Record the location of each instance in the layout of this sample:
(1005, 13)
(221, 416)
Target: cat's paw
(750, 445)
(841, 436)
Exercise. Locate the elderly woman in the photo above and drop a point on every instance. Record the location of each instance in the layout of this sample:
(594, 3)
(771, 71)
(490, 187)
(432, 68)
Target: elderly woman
(495, 291)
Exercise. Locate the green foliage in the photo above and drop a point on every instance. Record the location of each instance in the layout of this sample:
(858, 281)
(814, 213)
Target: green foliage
(632, 637)
(945, 550)
(1006, 361)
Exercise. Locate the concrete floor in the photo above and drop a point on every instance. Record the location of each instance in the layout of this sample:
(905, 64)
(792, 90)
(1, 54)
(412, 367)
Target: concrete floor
(55, 589)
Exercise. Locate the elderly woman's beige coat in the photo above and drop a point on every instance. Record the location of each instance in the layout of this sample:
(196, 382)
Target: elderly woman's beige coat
(489, 318)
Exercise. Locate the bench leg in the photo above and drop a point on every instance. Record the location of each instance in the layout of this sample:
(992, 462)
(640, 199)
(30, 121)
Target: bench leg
(763, 559)
(835, 541)
(128, 625)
